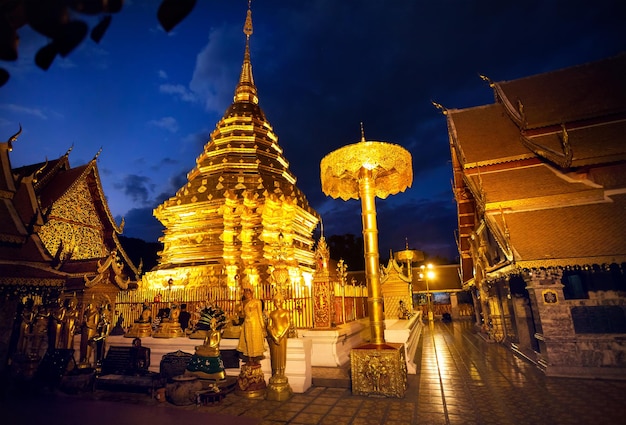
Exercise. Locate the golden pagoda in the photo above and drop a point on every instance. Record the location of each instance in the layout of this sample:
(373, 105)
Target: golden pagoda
(240, 212)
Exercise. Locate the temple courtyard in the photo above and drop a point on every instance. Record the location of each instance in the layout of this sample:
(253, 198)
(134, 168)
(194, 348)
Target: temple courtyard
(460, 379)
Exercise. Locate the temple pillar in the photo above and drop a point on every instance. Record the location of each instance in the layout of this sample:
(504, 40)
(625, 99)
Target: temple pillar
(454, 305)
(553, 319)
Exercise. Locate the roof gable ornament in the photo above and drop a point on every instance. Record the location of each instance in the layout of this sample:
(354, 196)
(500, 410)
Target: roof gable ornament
(14, 139)
(567, 147)
(439, 106)
(114, 263)
(487, 79)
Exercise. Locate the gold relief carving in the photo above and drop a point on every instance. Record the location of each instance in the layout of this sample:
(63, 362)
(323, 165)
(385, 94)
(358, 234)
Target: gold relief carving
(202, 189)
(550, 296)
(379, 370)
(84, 242)
(322, 304)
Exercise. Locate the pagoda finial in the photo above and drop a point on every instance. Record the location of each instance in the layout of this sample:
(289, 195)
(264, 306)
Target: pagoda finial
(247, 26)
(362, 132)
(246, 90)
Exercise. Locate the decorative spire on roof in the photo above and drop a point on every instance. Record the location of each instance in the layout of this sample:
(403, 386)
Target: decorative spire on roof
(246, 90)
(97, 154)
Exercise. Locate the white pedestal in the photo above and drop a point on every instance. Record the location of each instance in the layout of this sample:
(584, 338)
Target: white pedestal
(297, 369)
(406, 332)
(331, 347)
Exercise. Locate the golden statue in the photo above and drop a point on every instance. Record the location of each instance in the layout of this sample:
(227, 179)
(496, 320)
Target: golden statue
(211, 346)
(277, 327)
(89, 330)
(251, 340)
(26, 326)
(207, 363)
(55, 325)
(40, 331)
(70, 316)
(142, 327)
(170, 326)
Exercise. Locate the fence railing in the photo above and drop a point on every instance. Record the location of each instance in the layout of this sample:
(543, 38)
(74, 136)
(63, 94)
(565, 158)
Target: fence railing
(350, 302)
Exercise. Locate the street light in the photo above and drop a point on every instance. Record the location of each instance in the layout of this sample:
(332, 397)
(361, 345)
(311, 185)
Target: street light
(428, 273)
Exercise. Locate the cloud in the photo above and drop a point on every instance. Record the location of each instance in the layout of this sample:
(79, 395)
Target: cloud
(217, 71)
(18, 109)
(168, 123)
(162, 74)
(179, 91)
(167, 161)
(137, 188)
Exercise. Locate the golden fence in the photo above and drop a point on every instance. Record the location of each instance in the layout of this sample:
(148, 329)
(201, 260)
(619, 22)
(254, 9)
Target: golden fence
(350, 302)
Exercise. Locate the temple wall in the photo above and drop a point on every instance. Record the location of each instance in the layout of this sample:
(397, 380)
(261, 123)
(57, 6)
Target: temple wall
(580, 337)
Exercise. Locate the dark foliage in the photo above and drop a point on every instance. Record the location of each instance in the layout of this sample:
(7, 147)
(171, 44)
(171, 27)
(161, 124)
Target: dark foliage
(51, 18)
(138, 250)
(350, 248)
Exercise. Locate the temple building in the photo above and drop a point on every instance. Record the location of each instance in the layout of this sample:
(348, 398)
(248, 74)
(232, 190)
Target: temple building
(240, 212)
(58, 240)
(540, 184)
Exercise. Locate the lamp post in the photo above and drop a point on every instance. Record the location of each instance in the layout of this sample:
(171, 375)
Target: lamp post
(363, 171)
(428, 273)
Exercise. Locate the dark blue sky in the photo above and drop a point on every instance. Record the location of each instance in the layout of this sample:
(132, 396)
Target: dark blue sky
(150, 99)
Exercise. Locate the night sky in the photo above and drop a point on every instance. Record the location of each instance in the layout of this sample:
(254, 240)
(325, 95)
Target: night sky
(150, 99)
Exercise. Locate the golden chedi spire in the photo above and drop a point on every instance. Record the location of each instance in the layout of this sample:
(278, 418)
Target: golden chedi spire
(239, 198)
(246, 90)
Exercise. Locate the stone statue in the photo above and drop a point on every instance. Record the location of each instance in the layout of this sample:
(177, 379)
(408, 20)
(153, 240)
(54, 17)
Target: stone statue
(68, 329)
(277, 328)
(89, 330)
(251, 340)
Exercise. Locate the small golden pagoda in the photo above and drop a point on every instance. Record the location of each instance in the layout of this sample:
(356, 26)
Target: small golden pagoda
(240, 209)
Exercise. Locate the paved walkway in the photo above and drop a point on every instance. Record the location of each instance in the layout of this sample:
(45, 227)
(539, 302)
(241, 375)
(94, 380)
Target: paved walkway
(461, 379)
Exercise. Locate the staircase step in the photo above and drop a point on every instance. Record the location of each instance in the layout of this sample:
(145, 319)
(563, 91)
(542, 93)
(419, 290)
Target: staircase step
(331, 377)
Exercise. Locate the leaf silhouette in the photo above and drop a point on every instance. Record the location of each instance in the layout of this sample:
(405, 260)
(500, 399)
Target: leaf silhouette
(69, 36)
(171, 12)
(46, 17)
(95, 7)
(45, 56)
(8, 42)
(98, 31)
(4, 76)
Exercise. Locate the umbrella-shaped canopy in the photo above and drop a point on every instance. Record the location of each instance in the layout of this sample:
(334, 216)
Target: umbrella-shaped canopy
(390, 166)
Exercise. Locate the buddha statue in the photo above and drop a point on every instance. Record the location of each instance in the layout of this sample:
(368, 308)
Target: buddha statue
(207, 363)
(169, 327)
(277, 329)
(142, 327)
